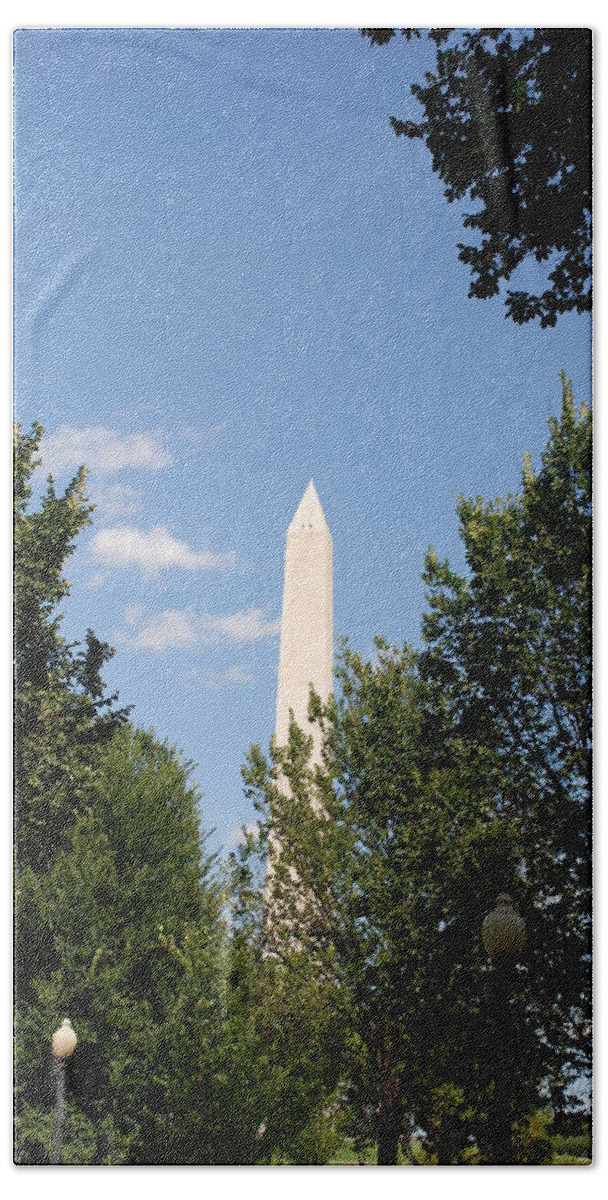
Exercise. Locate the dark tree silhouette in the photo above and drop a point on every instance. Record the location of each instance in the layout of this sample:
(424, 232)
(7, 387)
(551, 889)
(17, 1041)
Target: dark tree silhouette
(507, 119)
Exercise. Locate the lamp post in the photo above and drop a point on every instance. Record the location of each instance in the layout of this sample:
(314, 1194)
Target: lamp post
(63, 1043)
(503, 933)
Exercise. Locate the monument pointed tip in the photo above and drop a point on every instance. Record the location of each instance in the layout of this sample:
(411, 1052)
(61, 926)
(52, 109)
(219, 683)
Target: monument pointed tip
(309, 514)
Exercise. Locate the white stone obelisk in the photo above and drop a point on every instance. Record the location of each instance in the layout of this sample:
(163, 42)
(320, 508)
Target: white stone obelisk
(305, 658)
(306, 654)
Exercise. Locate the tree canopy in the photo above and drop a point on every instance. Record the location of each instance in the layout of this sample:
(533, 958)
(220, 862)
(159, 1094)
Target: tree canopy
(450, 776)
(507, 119)
(189, 1039)
(62, 711)
(109, 874)
(388, 863)
(508, 663)
(344, 999)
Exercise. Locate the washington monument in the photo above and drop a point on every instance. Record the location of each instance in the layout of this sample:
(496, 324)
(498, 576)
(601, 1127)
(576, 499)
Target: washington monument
(306, 654)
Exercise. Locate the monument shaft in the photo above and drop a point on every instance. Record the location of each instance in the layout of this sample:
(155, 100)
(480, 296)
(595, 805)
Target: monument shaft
(306, 654)
(305, 658)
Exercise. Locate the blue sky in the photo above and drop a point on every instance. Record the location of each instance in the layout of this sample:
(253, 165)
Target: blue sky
(230, 276)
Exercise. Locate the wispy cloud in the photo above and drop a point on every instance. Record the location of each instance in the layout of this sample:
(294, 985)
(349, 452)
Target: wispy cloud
(168, 630)
(212, 681)
(103, 450)
(65, 278)
(198, 436)
(133, 613)
(95, 581)
(116, 500)
(154, 551)
(176, 627)
(244, 626)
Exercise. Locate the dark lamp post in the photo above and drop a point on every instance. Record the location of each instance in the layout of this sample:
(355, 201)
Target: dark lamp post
(63, 1043)
(504, 934)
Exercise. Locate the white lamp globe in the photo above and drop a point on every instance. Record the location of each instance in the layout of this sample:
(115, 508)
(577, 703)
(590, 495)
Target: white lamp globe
(64, 1040)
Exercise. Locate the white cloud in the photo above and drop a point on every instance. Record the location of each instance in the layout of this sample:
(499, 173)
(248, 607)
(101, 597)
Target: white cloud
(211, 681)
(168, 630)
(189, 675)
(116, 500)
(249, 626)
(124, 546)
(176, 627)
(133, 613)
(95, 581)
(237, 675)
(103, 450)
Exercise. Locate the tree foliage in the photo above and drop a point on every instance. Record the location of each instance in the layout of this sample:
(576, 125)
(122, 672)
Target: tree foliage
(447, 778)
(62, 713)
(508, 665)
(347, 993)
(109, 876)
(387, 865)
(282, 944)
(94, 939)
(189, 1039)
(507, 119)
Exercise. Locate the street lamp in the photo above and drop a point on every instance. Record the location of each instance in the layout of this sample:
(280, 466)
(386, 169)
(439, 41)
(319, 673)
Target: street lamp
(504, 934)
(503, 930)
(63, 1043)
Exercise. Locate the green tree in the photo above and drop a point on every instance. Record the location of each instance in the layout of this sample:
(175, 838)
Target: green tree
(427, 854)
(507, 664)
(282, 964)
(62, 718)
(507, 119)
(109, 878)
(387, 866)
(448, 777)
(96, 933)
(62, 714)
